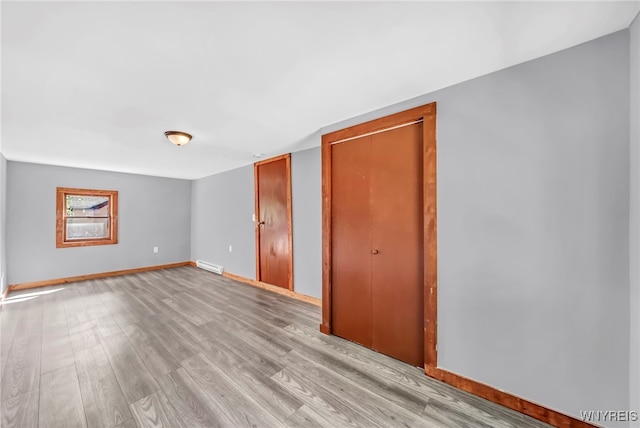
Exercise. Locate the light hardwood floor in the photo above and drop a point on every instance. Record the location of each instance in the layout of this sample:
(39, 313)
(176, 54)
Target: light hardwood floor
(183, 347)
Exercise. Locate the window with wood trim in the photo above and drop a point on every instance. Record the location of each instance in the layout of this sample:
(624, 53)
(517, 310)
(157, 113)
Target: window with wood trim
(86, 217)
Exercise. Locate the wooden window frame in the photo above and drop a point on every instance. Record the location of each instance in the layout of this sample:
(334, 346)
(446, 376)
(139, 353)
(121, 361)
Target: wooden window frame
(61, 217)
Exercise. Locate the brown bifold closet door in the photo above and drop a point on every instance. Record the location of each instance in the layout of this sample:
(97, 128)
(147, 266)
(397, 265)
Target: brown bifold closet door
(351, 273)
(377, 242)
(397, 262)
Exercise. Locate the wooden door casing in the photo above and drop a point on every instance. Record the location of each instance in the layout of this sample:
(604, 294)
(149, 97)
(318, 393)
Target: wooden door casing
(274, 245)
(427, 115)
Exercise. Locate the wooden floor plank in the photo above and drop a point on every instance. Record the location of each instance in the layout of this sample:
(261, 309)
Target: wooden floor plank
(251, 379)
(359, 395)
(84, 336)
(56, 341)
(156, 357)
(133, 376)
(118, 310)
(195, 407)
(245, 354)
(305, 417)
(22, 368)
(104, 403)
(185, 311)
(386, 388)
(238, 406)
(331, 407)
(60, 400)
(155, 411)
(20, 411)
(10, 319)
(184, 347)
(131, 423)
(56, 352)
(180, 345)
(98, 317)
(183, 303)
(409, 378)
(183, 326)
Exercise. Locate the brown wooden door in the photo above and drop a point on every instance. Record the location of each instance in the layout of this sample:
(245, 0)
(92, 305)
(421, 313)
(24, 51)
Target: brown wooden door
(351, 273)
(377, 238)
(273, 221)
(397, 287)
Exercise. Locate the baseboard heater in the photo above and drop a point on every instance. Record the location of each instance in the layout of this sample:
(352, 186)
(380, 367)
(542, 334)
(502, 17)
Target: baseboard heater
(210, 267)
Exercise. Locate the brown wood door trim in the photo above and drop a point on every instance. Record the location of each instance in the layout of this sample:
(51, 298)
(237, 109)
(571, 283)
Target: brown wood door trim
(287, 158)
(430, 234)
(426, 113)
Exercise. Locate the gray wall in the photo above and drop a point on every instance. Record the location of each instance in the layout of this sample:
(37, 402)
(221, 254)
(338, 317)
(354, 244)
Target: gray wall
(533, 228)
(3, 223)
(533, 185)
(634, 218)
(152, 212)
(221, 215)
(222, 209)
(533, 268)
(306, 189)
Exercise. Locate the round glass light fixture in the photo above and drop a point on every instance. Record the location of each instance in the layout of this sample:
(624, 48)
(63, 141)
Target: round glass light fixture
(178, 138)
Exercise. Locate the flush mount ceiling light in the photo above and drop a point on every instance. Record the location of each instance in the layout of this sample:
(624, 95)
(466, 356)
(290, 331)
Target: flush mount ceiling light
(178, 138)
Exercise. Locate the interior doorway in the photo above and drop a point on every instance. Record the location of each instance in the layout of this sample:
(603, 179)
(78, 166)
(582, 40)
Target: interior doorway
(274, 244)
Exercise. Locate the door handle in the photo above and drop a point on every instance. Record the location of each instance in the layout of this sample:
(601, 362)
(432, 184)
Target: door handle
(374, 251)
(261, 223)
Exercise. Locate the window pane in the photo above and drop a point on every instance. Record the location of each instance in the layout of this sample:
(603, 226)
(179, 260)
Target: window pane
(87, 228)
(86, 217)
(87, 206)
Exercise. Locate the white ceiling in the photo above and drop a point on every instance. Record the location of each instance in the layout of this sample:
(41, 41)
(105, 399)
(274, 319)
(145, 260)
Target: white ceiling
(96, 84)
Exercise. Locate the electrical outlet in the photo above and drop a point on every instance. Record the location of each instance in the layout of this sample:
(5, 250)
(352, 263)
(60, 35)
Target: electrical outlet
(230, 248)
(253, 217)
(155, 249)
